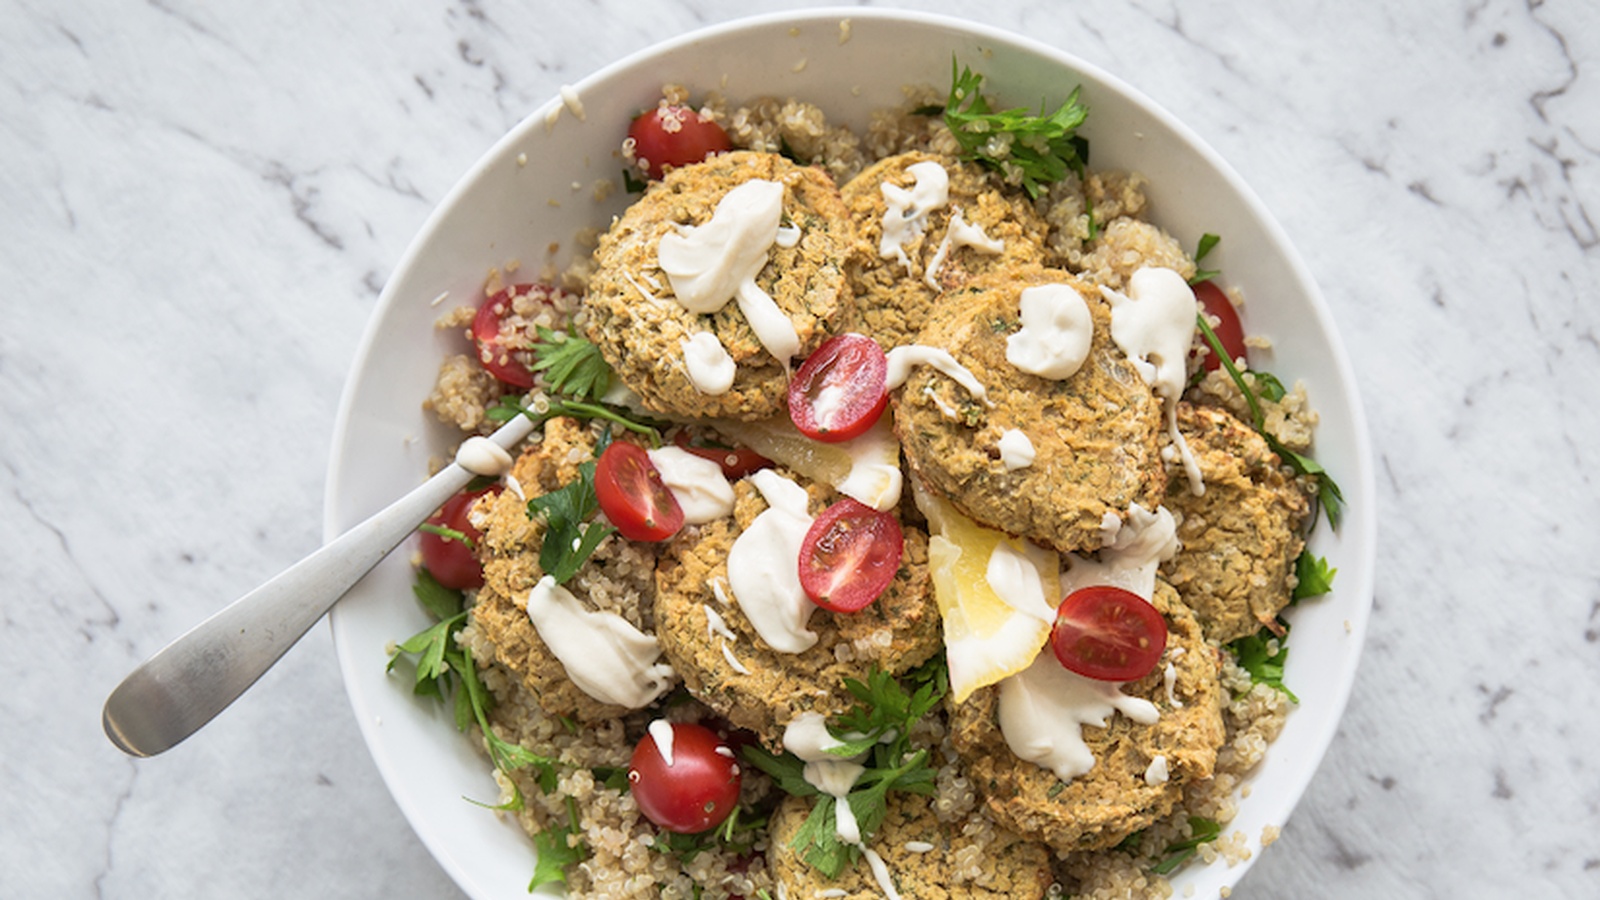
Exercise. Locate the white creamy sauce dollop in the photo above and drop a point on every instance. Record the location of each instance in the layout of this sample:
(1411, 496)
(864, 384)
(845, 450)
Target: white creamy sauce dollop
(1157, 772)
(661, 732)
(711, 369)
(807, 737)
(763, 566)
(1016, 450)
(875, 477)
(697, 483)
(717, 625)
(908, 208)
(1055, 335)
(710, 264)
(1016, 577)
(901, 359)
(1130, 558)
(481, 456)
(960, 233)
(1153, 324)
(604, 655)
(1044, 707)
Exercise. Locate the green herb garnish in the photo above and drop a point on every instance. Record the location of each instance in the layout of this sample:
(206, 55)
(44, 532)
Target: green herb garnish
(1205, 831)
(736, 833)
(555, 854)
(879, 725)
(1256, 657)
(440, 660)
(570, 538)
(572, 365)
(1328, 495)
(1208, 241)
(449, 534)
(578, 378)
(1037, 149)
(1313, 576)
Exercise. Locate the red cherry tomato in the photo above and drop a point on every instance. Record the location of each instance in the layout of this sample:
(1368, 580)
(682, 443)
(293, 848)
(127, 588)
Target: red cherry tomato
(849, 556)
(736, 462)
(693, 794)
(1108, 634)
(452, 563)
(841, 389)
(675, 136)
(633, 496)
(504, 337)
(1228, 330)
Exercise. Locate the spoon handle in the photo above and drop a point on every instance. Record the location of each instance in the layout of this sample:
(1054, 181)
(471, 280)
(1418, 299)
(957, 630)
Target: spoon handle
(188, 682)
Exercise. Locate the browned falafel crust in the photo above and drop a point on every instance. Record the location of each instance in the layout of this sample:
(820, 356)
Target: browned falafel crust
(895, 633)
(895, 303)
(1112, 800)
(1241, 537)
(1095, 433)
(1012, 866)
(619, 574)
(639, 326)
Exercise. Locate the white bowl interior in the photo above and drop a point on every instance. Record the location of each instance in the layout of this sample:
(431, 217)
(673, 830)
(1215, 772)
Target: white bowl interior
(506, 210)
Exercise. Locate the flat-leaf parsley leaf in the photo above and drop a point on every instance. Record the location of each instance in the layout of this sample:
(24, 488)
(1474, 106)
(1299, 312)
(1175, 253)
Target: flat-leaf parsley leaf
(1023, 147)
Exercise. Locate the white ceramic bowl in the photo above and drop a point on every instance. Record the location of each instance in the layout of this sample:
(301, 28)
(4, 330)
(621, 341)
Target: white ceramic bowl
(502, 210)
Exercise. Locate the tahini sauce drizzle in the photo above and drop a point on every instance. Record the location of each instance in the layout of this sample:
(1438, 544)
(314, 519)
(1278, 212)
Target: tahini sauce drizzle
(807, 737)
(960, 233)
(762, 569)
(907, 209)
(1044, 707)
(711, 369)
(901, 359)
(1131, 555)
(1154, 325)
(697, 483)
(604, 655)
(710, 264)
(1016, 450)
(1055, 335)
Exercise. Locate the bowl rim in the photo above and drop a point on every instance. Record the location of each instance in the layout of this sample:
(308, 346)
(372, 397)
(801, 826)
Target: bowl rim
(1358, 484)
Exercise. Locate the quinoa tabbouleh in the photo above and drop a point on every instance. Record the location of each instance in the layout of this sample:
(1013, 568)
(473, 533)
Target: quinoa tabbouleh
(893, 527)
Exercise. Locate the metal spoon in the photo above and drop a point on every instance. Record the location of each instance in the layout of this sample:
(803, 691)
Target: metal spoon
(195, 677)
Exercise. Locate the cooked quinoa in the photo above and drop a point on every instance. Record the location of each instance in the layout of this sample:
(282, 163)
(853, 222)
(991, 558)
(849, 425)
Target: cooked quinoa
(1093, 227)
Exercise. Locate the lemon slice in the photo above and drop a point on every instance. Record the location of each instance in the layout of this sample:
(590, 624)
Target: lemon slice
(989, 634)
(866, 468)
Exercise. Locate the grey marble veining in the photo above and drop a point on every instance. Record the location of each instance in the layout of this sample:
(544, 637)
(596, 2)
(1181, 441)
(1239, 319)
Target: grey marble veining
(202, 202)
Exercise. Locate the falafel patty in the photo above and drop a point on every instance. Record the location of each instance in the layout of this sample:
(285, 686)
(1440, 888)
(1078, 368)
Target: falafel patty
(618, 578)
(893, 293)
(637, 321)
(1094, 435)
(726, 665)
(1241, 537)
(1115, 798)
(927, 858)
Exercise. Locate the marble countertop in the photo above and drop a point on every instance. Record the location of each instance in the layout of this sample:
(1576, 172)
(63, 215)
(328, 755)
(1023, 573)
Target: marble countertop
(202, 202)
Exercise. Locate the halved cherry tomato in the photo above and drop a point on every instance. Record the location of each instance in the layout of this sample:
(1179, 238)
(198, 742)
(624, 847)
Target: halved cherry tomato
(736, 462)
(1228, 329)
(675, 136)
(841, 389)
(504, 336)
(451, 562)
(633, 496)
(697, 791)
(849, 556)
(1108, 634)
